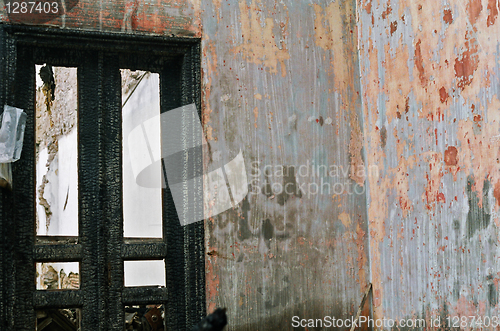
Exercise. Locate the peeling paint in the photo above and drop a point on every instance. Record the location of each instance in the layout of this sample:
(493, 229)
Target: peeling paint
(432, 208)
(493, 12)
(467, 63)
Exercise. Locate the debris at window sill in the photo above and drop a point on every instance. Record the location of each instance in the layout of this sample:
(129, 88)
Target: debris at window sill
(144, 318)
(6, 176)
(11, 134)
(13, 123)
(58, 319)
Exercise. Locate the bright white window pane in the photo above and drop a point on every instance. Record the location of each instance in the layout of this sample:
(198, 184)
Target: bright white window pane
(142, 204)
(145, 273)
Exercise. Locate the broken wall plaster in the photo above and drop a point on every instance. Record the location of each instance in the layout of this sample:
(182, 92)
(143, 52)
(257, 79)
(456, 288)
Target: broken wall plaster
(56, 100)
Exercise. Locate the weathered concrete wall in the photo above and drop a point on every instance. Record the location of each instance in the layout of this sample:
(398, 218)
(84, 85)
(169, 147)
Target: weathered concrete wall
(430, 81)
(281, 84)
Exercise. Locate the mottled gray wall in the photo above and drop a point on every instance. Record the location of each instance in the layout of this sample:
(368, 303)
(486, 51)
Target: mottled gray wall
(430, 81)
(281, 84)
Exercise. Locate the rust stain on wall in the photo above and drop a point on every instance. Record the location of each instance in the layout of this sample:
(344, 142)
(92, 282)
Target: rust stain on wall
(432, 193)
(493, 12)
(443, 95)
(467, 62)
(448, 16)
(387, 11)
(395, 67)
(451, 156)
(439, 177)
(329, 34)
(474, 8)
(260, 43)
(394, 27)
(419, 63)
(496, 193)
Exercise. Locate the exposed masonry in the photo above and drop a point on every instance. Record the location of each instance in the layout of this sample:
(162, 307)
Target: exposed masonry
(130, 80)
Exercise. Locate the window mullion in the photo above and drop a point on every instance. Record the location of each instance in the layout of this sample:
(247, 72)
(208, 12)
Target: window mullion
(91, 184)
(24, 196)
(112, 139)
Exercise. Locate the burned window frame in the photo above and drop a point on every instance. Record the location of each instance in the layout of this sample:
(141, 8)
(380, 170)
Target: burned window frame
(100, 247)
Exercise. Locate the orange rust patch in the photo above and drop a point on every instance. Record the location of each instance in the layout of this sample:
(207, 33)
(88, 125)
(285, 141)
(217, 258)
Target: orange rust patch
(355, 146)
(386, 12)
(466, 64)
(362, 258)
(395, 67)
(419, 64)
(496, 192)
(330, 34)
(443, 95)
(434, 177)
(256, 114)
(394, 26)
(451, 156)
(260, 45)
(448, 16)
(474, 8)
(368, 7)
(493, 12)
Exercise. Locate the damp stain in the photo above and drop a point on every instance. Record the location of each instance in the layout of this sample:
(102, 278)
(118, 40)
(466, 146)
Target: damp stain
(479, 216)
(383, 136)
(289, 180)
(267, 230)
(492, 291)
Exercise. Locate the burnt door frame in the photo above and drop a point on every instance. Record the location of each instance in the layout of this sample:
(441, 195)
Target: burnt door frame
(100, 247)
